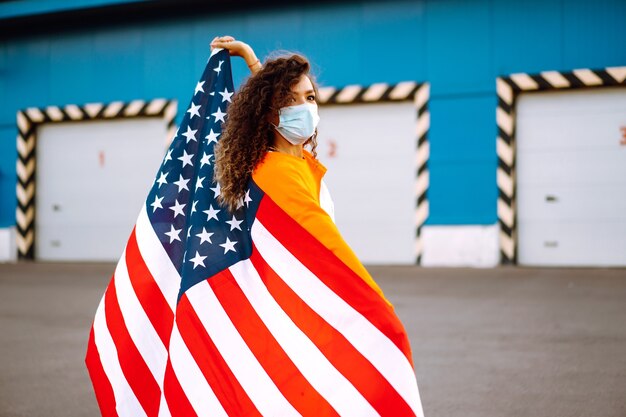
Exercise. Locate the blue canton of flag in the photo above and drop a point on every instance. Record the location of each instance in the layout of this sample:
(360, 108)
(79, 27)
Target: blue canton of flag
(200, 236)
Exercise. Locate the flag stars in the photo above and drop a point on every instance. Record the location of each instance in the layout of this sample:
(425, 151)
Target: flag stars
(206, 159)
(156, 203)
(182, 183)
(226, 95)
(193, 208)
(216, 189)
(193, 110)
(212, 136)
(199, 87)
(199, 183)
(162, 179)
(197, 260)
(190, 134)
(247, 198)
(219, 67)
(211, 213)
(228, 246)
(168, 157)
(173, 234)
(219, 115)
(177, 208)
(186, 158)
(234, 223)
(205, 236)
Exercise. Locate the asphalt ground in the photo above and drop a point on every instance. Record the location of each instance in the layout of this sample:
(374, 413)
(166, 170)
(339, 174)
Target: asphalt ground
(507, 341)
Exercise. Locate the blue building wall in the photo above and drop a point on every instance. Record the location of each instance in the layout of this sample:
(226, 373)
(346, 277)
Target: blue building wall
(460, 47)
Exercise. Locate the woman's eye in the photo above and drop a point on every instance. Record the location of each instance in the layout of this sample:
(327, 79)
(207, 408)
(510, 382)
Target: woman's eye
(311, 98)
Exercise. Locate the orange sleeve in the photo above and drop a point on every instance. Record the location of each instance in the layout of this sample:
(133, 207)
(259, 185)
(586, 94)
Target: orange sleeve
(292, 191)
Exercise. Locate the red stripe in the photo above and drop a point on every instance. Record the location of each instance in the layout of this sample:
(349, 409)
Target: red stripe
(148, 292)
(291, 383)
(338, 350)
(333, 272)
(223, 382)
(133, 366)
(177, 401)
(101, 385)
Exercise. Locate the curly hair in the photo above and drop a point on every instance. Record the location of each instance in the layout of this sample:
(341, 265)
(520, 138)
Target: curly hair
(247, 133)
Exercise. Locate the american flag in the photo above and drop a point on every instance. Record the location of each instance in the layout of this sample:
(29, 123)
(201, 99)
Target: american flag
(245, 313)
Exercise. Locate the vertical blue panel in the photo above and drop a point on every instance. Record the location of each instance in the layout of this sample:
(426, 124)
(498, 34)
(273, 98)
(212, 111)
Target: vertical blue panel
(118, 55)
(396, 31)
(73, 76)
(458, 46)
(594, 33)
(8, 175)
(463, 160)
(527, 36)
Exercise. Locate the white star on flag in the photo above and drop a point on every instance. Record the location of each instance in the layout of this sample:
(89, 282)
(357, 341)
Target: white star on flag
(162, 179)
(206, 159)
(177, 208)
(197, 260)
(168, 157)
(212, 136)
(205, 236)
(234, 223)
(228, 245)
(219, 115)
(199, 87)
(226, 95)
(186, 158)
(193, 110)
(182, 183)
(219, 67)
(173, 234)
(157, 203)
(199, 183)
(247, 198)
(211, 213)
(190, 134)
(216, 189)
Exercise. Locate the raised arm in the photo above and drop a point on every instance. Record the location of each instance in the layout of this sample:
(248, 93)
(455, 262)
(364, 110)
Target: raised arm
(238, 48)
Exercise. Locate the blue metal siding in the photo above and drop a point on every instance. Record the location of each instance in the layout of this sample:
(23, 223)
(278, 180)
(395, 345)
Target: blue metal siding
(457, 46)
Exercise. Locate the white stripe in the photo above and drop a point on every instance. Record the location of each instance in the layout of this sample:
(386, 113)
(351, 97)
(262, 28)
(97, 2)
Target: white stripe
(158, 261)
(192, 381)
(125, 400)
(315, 367)
(362, 334)
(143, 334)
(260, 388)
(164, 410)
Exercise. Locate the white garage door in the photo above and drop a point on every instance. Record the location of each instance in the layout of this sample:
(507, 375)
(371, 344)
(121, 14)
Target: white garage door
(92, 179)
(572, 178)
(369, 150)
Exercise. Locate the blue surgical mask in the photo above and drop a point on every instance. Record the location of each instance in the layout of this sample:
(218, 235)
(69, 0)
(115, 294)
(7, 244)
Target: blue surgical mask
(297, 123)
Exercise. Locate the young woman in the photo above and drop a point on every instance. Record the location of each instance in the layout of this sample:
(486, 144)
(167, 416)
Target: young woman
(272, 118)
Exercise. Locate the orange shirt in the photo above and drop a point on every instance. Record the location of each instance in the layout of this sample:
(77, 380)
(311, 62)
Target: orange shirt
(294, 184)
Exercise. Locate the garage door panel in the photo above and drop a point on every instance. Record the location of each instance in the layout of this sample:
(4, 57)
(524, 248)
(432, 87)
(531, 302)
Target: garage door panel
(571, 178)
(573, 243)
(571, 202)
(572, 167)
(374, 197)
(92, 179)
(571, 114)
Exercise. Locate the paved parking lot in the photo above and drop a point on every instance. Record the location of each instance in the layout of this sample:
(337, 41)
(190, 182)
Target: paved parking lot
(486, 342)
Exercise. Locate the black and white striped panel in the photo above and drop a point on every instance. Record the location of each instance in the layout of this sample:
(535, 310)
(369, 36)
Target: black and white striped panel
(27, 122)
(508, 88)
(419, 93)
